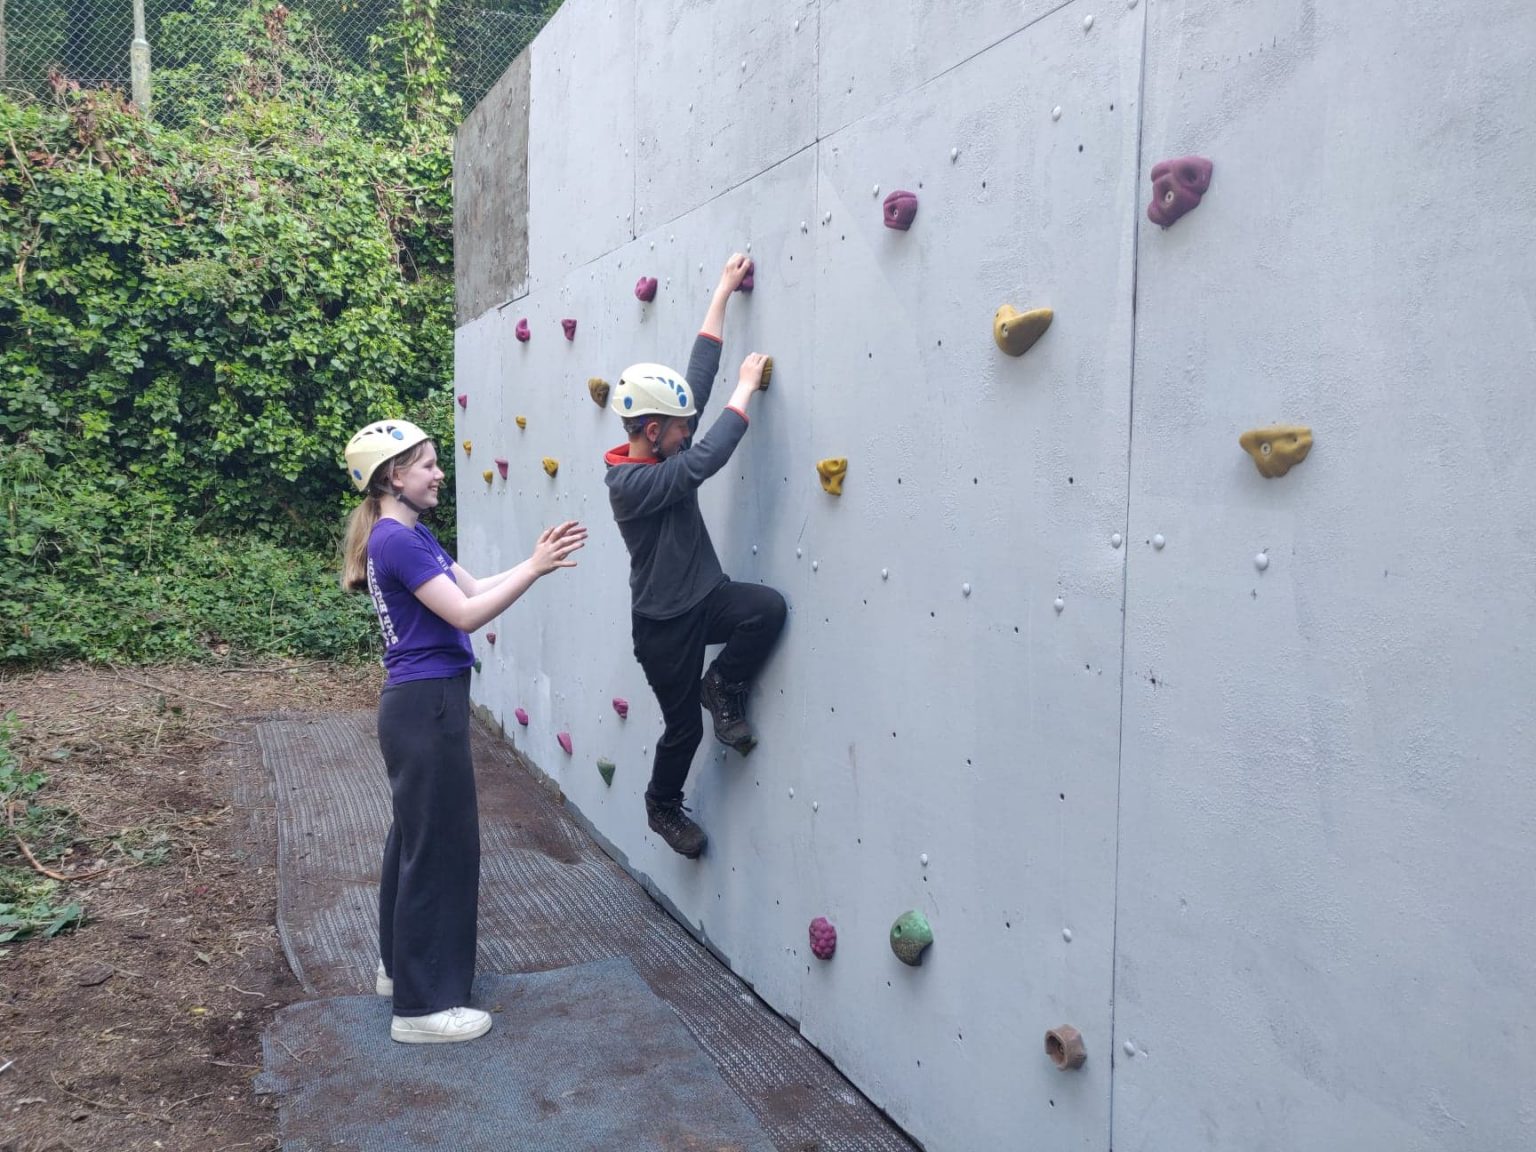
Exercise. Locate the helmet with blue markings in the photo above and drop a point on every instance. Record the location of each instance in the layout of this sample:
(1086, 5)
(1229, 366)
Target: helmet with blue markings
(652, 390)
(377, 442)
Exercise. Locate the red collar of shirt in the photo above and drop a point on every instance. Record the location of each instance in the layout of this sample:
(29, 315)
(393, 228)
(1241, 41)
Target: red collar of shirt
(620, 455)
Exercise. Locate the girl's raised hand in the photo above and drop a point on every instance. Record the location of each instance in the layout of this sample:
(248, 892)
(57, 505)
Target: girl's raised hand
(556, 545)
(735, 271)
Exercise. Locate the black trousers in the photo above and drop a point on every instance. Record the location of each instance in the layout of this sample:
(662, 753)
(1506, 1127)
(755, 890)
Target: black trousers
(429, 887)
(747, 619)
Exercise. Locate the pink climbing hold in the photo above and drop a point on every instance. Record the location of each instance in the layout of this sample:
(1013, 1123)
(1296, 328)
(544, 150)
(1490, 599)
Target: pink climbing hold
(565, 741)
(1177, 186)
(522, 333)
(900, 209)
(522, 717)
(645, 288)
(621, 706)
(570, 329)
(748, 282)
(490, 638)
(501, 466)
(463, 399)
(823, 938)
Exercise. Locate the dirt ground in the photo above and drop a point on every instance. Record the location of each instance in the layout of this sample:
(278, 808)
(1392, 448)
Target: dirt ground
(141, 1029)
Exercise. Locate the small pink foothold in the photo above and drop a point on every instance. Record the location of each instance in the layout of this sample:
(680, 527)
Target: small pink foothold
(823, 938)
(900, 209)
(522, 717)
(645, 288)
(463, 399)
(749, 281)
(621, 706)
(565, 741)
(522, 332)
(501, 466)
(490, 638)
(570, 329)
(1177, 186)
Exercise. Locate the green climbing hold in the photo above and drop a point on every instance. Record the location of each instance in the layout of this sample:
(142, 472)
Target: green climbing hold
(606, 768)
(477, 663)
(910, 935)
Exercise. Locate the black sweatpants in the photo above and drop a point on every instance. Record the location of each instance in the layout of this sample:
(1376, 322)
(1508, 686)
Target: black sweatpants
(429, 887)
(747, 619)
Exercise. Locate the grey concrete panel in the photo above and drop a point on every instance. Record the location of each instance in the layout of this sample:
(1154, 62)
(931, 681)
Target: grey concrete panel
(490, 205)
(726, 91)
(1325, 939)
(582, 117)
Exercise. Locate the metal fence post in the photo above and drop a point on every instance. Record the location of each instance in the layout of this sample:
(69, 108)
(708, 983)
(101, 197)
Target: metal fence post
(138, 59)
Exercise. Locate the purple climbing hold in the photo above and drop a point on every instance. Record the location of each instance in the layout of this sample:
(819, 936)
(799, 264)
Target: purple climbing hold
(645, 288)
(823, 938)
(570, 329)
(748, 282)
(501, 466)
(621, 706)
(463, 399)
(522, 332)
(522, 717)
(490, 638)
(565, 741)
(900, 209)
(1177, 186)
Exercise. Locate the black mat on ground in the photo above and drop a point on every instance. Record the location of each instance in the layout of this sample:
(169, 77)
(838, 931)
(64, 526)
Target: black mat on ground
(549, 898)
(583, 1059)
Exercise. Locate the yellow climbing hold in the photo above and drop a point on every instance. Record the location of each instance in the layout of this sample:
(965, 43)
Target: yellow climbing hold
(522, 421)
(487, 474)
(598, 388)
(767, 373)
(832, 470)
(551, 465)
(468, 444)
(1277, 449)
(1016, 332)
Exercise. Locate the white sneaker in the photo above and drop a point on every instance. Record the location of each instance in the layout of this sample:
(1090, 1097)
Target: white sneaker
(446, 1027)
(382, 984)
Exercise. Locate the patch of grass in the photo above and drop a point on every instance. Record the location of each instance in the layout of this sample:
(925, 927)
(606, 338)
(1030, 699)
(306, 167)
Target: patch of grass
(28, 901)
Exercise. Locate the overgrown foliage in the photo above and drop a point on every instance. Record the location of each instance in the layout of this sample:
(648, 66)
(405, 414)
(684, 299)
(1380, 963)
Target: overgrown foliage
(194, 321)
(29, 901)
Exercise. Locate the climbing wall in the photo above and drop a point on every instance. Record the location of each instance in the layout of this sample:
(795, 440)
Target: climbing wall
(1217, 771)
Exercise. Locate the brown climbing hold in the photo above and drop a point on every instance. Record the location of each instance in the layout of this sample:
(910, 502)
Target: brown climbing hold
(1177, 187)
(488, 474)
(522, 421)
(900, 209)
(1064, 1045)
(1016, 332)
(570, 329)
(597, 387)
(468, 444)
(1277, 449)
(832, 470)
(762, 384)
(551, 465)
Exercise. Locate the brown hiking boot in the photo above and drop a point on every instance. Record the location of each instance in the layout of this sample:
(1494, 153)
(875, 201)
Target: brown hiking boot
(727, 703)
(668, 820)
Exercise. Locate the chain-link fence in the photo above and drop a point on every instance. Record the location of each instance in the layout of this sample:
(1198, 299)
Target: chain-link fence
(88, 41)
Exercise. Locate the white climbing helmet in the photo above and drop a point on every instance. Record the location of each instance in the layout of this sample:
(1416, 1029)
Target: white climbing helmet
(652, 390)
(376, 443)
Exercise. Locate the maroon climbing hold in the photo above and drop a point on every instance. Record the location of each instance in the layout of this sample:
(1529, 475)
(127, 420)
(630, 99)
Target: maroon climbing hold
(501, 466)
(463, 399)
(565, 741)
(490, 638)
(1177, 186)
(645, 288)
(522, 332)
(621, 706)
(823, 938)
(900, 209)
(570, 329)
(522, 717)
(748, 282)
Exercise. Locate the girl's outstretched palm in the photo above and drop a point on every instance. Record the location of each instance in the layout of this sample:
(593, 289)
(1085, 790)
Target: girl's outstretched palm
(556, 545)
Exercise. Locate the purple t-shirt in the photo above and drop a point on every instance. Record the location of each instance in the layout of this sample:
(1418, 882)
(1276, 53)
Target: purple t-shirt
(418, 643)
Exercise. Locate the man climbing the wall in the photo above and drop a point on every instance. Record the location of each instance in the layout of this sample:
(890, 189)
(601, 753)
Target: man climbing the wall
(680, 599)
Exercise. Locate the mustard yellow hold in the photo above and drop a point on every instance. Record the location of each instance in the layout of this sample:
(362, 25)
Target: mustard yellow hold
(1016, 332)
(522, 421)
(551, 465)
(762, 385)
(1277, 449)
(597, 387)
(468, 444)
(487, 474)
(832, 470)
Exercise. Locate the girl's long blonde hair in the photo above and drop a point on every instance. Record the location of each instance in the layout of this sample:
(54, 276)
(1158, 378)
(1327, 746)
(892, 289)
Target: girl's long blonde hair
(363, 518)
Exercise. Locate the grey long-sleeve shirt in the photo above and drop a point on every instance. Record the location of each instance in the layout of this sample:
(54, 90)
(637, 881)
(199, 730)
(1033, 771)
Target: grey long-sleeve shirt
(672, 561)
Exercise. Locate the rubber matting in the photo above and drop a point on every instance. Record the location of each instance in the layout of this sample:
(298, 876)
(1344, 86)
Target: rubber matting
(549, 898)
(585, 1059)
